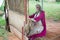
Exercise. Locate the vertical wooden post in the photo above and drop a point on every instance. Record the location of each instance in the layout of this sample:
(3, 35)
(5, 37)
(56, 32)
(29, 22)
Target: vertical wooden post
(25, 14)
(6, 9)
(25, 10)
(22, 33)
(42, 3)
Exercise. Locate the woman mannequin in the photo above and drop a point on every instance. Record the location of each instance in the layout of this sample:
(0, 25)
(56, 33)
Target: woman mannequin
(39, 30)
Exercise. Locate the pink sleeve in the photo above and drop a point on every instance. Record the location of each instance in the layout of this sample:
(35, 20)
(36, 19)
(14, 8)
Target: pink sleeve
(39, 17)
(31, 16)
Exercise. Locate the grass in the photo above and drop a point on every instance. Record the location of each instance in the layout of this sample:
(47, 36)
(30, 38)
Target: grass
(2, 22)
(3, 32)
(52, 10)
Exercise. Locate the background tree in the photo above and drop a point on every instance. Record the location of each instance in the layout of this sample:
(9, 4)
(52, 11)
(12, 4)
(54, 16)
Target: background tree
(37, 0)
(57, 0)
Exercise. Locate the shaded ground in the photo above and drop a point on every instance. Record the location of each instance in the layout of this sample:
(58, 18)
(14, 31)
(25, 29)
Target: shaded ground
(53, 31)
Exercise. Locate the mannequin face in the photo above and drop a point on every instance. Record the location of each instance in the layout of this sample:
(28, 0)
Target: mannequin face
(38, 8)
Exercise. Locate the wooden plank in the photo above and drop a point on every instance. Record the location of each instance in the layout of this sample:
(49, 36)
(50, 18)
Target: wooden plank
(17, 33)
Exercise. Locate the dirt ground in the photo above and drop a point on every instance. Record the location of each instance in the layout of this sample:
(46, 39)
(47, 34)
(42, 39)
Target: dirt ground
(53, 31)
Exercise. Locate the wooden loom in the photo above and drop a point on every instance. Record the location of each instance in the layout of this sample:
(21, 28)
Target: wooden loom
(26, 16)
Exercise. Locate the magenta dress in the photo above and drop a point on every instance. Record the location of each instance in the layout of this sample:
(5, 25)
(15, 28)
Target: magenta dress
(37, 19)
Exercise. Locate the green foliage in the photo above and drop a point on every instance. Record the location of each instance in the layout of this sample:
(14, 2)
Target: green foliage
(3, 32)
(2, 8)
(57, 0)
(37, 0)
(2, 22)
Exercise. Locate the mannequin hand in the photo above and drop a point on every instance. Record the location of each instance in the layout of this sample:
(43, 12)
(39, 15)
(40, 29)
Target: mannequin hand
(33, 20)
